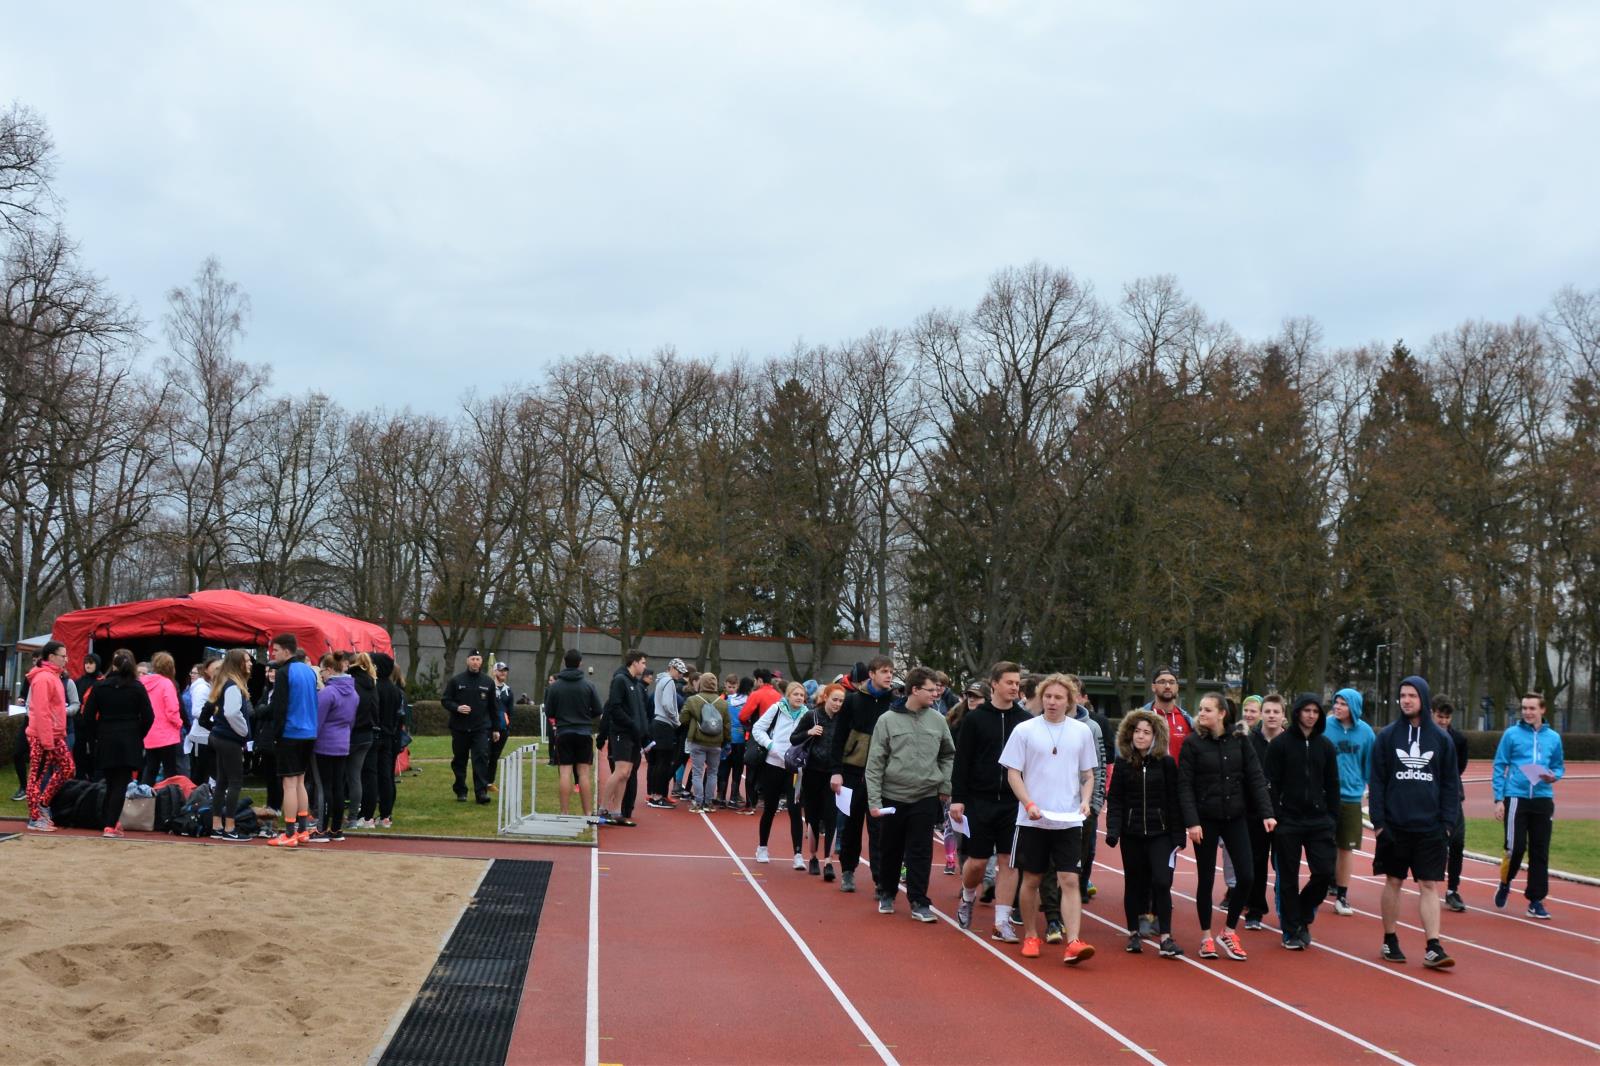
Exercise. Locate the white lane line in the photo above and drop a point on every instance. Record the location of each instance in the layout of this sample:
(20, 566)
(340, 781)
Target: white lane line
(1052, 990)
(1388, 968)
(1485, 860)
(591, 1028)
(827, 978)
(1296, 1011)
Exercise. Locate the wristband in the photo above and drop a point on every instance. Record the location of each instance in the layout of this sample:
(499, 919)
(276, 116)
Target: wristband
(1035, 806)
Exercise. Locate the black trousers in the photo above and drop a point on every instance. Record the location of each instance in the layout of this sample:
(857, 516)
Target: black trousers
(1236, 836)
(1528, 827)
(1091, 830)
(1147, 878)
(476, 746)
(21, 753)
(201, 764)
(1458, 848)
(663, 757)
(331, 769)
(630, 794)
(377, 779)
(906, 837)
(850, 839)
(228, 758)
(730, 771)
(164, 759)
(496, 749)
(1300, 906)
(816, 799)
(1260, 855)
(777, 785)
(116, 792)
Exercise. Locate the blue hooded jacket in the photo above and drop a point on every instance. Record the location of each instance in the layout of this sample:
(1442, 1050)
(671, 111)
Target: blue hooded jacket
(1519, 746)
(1354, 745)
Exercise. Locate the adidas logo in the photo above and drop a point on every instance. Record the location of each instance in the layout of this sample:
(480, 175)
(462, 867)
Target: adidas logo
(1416, 764)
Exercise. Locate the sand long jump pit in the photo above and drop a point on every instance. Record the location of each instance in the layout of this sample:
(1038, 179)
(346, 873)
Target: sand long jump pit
(127, 953)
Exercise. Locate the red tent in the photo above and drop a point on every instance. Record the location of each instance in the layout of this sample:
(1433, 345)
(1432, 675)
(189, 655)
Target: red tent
(221, 617)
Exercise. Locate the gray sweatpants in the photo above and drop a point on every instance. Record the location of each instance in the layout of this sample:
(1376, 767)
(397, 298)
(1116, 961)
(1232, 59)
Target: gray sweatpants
(703, 760)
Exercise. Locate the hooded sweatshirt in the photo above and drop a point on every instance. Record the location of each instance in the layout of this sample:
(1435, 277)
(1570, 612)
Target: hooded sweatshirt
(1414, 785)
(168, 726)
(571, 702)
(366, 701)
(1303, 771)
(1354, 745)
(47, 706)
(910, 758)
(336, 713)
(1519, 746)
(977, 774)
(390, 699)
(1142, 799)
(852, 733)
(294, 701)
(1098, 801)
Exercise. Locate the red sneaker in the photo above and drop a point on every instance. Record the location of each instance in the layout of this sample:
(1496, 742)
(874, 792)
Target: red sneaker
(1228, 944)
(1031, 946)
(284, 840)
(1077, 951)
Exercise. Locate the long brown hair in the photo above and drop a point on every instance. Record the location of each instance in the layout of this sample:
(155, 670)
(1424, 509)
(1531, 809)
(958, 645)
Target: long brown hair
(236, 668)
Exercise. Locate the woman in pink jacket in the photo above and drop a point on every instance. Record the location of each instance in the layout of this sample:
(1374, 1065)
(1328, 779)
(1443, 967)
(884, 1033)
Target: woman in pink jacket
(50, 765)
(161, 743)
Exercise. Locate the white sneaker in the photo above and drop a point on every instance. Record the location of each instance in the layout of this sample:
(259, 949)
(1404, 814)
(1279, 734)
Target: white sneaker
(799, 863)
(761, 854)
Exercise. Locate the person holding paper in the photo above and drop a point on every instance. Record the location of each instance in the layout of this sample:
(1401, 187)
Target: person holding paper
(1144, 820)
(908, 780)
(979, 793)
(1050, 764)
(1527, 764)
(817, 798)
(847, 755)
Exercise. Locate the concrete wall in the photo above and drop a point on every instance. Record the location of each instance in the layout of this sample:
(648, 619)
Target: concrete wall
(518, 648)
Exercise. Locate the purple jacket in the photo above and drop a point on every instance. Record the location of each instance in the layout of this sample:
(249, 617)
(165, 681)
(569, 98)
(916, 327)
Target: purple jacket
(336, 713)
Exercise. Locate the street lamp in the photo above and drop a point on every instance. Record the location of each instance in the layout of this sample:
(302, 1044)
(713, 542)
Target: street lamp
(1377, 677)
(22, 607)
(1273, 648)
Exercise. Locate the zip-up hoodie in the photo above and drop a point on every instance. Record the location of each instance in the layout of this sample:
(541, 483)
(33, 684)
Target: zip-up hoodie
(47, 706)
(168, 726)
(1142, 799)
(1519, 746)
(336, 713)
(1414, 785)
(774, 728)
(366, 687)
(1303, 771)
(1098, 801)
(294, 701)
(1179, 726)
(977, 773)
(910, 758)
(1354, 745)
(852, 734)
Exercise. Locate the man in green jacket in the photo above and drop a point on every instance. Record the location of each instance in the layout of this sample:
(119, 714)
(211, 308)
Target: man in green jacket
(908, 780)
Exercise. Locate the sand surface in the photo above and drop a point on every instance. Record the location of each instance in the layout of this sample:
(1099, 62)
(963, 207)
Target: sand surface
(127, 953)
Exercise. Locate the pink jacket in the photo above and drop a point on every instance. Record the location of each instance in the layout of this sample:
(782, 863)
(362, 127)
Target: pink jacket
(168, 727)
(47, 705)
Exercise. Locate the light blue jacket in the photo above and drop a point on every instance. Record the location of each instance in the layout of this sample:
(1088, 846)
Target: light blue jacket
(1354, 745)
(1518, 746)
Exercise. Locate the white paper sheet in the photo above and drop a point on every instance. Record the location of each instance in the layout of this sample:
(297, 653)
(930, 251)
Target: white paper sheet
(960, 825)
(842, 799)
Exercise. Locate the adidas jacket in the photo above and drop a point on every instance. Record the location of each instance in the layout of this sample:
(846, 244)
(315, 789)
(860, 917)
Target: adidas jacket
(1414, 785)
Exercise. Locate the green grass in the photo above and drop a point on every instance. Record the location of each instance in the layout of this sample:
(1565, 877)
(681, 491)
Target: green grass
(425, 804)
(1574, 845)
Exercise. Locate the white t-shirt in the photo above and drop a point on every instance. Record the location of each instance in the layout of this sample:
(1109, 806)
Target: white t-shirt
(1050, 756)
(199, 693)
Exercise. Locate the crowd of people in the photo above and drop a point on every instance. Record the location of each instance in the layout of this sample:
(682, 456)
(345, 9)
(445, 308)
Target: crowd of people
(1014, 774)
(324, 738)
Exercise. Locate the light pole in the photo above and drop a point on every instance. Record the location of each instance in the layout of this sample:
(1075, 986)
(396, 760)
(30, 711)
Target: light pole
(22, 608)
(1273, 648)
(1377, 677)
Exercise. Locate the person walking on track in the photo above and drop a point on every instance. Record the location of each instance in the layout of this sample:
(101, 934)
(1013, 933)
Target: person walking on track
(852, 742)
(908, 779)
(1303, 778)
(1352, 739)
(1143, 819)
(980, 793)
(1527, 764)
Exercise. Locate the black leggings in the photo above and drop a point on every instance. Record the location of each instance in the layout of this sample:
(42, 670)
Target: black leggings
(164, 759)
(1236, 835)
(775, 782)
(331, 769)
(116, 792)
(730, 769)
(227, 757)
(377, 779)
(1147, 878)
(818, 802)
(661, 758)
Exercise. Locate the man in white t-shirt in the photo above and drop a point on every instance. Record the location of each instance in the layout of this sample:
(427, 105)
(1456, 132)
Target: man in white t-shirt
(1050, 762)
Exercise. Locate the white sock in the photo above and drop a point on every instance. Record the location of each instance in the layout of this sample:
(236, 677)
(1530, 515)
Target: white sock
(1002, 913)
(968, 894)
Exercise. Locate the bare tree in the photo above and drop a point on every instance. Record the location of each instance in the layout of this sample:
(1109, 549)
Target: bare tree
(27, 163)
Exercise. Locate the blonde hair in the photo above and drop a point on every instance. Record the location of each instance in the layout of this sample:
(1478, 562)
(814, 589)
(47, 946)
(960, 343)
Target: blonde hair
(364, 662)
(789, 688)
(1066, 681)
(235, 667)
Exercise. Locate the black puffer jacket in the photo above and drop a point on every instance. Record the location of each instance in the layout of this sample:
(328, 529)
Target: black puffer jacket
(1219, 779)
(1142, 796)
(817, 761)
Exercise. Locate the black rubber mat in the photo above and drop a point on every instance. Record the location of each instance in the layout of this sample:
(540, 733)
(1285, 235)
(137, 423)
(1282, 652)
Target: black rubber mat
(465, 1010)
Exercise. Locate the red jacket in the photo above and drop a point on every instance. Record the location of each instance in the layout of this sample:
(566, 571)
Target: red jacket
(47, 705)
(760, 701)
(1178, 727)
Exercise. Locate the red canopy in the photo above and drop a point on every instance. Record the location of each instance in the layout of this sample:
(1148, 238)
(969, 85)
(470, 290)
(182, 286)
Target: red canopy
(222, 616)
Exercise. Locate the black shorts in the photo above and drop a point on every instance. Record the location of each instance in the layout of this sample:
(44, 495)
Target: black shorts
(294, 757)
(574, 749)
(1034, 850)
(622, 749)
(1422, 855)
(993, 824)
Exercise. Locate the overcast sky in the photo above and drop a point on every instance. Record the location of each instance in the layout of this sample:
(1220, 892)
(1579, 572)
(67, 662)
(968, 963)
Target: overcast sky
(459, 194)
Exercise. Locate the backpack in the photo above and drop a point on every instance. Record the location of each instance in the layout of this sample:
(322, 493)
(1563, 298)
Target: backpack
(710, 719)
(194, 820)
(169, 801)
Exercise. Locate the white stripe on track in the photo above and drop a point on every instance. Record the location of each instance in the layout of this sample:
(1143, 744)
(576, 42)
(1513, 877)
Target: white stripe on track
(1051, 990)
(827, 978)
(1296, 1011)
(591, 1026)
(1392, 972)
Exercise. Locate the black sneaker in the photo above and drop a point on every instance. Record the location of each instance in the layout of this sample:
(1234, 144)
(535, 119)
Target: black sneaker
(1170, 948)
(461, 797)
(1452, 899)
(814, 867)
(336, 836)
(19, 795)
(1391, 952)
(1304, 937)
(1054, 933)
(1253, 924)
(1135, 945)
(661, 804)
(1437, 958)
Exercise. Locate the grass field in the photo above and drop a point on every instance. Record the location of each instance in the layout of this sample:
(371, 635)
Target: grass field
(1574, 845)
(424, 802)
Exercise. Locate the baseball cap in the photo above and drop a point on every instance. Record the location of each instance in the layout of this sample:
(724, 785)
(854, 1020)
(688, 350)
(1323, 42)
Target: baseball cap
(679, 665)
(502, 666)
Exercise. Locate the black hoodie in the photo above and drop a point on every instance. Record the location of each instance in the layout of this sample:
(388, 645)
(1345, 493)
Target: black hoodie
(852, 732)
(571, 703)
(391, 701)
(1303, 772)
(977, 774)
(366, 702)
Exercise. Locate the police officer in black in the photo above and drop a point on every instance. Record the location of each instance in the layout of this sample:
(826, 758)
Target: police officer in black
(469, 701)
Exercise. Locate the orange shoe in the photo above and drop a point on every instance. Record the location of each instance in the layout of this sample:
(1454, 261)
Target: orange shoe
(284, 840)
(1077, 951)
(1228, 944)
(1031, 946)
(302, 837)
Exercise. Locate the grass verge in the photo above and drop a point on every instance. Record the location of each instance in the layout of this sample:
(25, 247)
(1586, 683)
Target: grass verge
(1574, 844)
